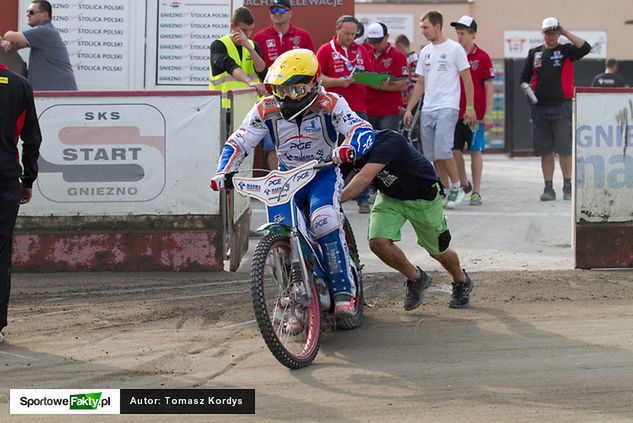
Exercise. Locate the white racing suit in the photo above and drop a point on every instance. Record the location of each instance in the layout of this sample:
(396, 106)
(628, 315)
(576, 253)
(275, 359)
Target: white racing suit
(313, 137)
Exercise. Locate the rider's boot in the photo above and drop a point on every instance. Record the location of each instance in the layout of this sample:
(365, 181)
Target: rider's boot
(338, 268)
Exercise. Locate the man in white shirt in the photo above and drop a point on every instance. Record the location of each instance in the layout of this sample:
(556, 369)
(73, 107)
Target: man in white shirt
(441, 64)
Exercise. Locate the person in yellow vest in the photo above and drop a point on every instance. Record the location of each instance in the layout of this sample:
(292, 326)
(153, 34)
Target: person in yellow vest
(236, 62)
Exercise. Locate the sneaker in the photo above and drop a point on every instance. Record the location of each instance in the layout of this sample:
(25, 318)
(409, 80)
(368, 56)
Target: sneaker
(444, 198)
(467, 188)
(415, 291)
(461, 293)
(364, 208)
(548, 194)
(455, 197)
(344, 305)
(567, 192)
(1, 337)
(475, 199)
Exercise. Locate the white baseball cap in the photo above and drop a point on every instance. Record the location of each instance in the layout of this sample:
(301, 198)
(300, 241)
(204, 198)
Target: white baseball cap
(550, 24)
(376, 32)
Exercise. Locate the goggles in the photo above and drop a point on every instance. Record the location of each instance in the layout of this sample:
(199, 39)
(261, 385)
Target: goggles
(277, 10)
(293, 92)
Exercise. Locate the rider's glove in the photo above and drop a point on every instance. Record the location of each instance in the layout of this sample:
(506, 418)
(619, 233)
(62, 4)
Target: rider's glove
(217, 182)
(343, 154)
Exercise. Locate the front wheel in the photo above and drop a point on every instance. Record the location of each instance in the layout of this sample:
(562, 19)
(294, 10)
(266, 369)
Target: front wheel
(291, 330)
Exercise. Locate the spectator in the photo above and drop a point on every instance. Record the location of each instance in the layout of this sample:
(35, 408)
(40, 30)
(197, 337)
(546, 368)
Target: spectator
(13, 61)
(610, 77)
(441, 64)
(338, 60)
(402, 43)
(384, 102)
(236, 62)
(49, 65)
(549, 70)
(281, 36)
(17, 119)
(408, 190)
(482, 73)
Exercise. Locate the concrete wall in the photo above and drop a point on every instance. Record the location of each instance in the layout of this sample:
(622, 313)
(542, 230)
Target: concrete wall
(494, 17)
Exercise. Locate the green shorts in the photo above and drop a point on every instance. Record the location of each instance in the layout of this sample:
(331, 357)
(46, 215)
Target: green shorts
(427, 218)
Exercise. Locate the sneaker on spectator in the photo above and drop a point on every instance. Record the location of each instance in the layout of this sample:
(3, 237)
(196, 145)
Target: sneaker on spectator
(567, 192)
(364, 208)
(475, 199)
(467, 188)
(548, 194)
(344, 305)
(461, 292)
(455, 197)
(414, 294)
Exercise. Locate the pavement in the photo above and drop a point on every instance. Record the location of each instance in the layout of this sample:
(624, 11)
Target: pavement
(511, 230)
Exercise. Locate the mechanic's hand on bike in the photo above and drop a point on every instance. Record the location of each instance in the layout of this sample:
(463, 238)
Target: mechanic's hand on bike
(217, 182)
(343, 154)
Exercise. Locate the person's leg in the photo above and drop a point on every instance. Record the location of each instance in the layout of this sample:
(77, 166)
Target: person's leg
(562, 127)
(387, 219)
(450, 261)
(393, 256)
(9, 204)
(543, 143)
(326, 223)
(462, 132)
(477, 146)
(444, 140)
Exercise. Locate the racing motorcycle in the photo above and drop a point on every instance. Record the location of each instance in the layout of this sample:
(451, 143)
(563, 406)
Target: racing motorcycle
(289, 286)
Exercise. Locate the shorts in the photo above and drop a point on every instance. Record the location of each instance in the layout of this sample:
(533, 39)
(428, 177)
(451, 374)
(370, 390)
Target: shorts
(438, 133)
(427, 218)
(464, 136)
(551, 129)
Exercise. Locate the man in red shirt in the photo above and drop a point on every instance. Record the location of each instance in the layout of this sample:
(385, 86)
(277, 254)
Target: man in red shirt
(383, 102)
(339, 58)
(482, 73)
(281, 36)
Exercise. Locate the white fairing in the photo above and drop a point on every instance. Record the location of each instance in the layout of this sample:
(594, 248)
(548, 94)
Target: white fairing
(277, 187)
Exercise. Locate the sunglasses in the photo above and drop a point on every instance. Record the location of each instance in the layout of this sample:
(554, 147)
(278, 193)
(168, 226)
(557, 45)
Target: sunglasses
(32, 12)
(278, 10)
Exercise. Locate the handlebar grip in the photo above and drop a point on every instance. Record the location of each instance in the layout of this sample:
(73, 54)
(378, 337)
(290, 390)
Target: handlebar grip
(228, 181)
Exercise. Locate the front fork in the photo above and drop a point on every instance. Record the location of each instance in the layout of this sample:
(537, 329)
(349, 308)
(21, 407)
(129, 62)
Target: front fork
(300, 277)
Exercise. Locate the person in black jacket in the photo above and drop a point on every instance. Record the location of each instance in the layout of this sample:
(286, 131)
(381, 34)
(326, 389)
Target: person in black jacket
(549, 69)
(18, 119)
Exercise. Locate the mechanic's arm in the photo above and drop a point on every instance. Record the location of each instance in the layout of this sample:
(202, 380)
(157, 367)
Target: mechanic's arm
(17, 39)
(361, 181)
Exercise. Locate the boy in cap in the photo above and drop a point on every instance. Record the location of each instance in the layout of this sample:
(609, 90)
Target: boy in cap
(482, 73)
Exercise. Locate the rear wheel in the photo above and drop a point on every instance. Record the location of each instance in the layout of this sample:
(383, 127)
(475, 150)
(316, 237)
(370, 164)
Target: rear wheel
(290, 329)
(356, 319)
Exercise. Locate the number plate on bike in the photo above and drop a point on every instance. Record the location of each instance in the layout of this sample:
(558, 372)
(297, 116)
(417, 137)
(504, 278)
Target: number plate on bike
(277, 187)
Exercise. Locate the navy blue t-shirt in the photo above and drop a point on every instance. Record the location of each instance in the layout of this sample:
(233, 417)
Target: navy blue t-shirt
(407, 174)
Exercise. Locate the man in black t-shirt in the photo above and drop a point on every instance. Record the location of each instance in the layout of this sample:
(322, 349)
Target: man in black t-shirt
(408, 189)
(610, 77)
(549, 69)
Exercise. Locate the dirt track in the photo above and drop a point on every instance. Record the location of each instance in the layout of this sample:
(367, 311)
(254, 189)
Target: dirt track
(535, 346)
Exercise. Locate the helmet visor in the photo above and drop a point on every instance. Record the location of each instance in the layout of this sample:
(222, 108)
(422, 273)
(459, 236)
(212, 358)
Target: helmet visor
(293, 92)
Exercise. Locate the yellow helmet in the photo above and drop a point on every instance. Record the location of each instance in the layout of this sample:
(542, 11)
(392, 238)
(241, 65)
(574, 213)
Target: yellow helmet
(294, 81)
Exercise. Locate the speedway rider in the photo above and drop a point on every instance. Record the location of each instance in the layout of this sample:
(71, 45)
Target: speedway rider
(304, 121)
